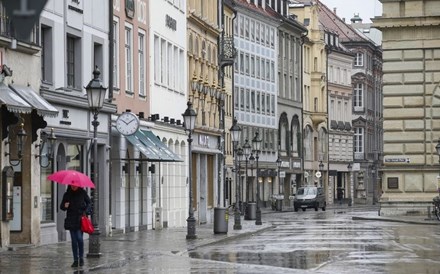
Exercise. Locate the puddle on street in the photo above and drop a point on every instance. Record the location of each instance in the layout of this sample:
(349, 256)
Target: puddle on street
(299, 259)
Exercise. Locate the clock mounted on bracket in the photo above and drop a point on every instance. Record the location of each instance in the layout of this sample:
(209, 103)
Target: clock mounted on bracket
(127, 123)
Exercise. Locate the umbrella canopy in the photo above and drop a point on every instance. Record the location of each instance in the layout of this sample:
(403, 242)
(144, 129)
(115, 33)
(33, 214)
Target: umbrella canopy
(71, 177)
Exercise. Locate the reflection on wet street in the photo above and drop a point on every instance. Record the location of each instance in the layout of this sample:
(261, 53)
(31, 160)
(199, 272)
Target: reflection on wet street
(331, 242)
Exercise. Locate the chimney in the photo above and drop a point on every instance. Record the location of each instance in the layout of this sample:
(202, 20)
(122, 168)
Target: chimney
(334, 10)
(141, 115)
(166, 119)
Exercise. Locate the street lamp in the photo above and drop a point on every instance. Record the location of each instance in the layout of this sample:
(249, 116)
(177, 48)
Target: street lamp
(251, 163)
(236, 133)
(247, 150)
(350, 168)
(256, 143)
(437, 147)
(240, 184)
(189, 119)
(95, 96)
(49, 141)
(278, 162)
(21, 136)
(321, 168)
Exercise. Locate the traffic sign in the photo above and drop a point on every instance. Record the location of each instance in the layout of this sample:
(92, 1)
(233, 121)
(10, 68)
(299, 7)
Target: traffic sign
(282, 174)
(318, 174)
(24, 14)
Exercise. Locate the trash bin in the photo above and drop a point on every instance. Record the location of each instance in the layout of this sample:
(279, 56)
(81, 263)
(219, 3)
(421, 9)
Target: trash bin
(251, 211)
(220, 220)
(279, 205)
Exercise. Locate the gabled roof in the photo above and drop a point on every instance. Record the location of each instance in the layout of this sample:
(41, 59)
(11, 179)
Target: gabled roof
(329, 20)
(251, 6)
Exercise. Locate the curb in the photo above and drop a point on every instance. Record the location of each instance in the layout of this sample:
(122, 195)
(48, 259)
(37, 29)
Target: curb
(357, 218)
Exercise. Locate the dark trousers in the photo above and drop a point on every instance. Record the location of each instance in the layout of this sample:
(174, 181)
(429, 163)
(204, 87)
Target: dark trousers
(77, 244)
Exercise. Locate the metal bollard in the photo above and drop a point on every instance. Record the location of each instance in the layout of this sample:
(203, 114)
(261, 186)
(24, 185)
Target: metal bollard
(429, 213)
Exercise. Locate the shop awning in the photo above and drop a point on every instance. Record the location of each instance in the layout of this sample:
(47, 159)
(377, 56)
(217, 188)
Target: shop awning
(12, 101)
(37, 102)
(151, 147)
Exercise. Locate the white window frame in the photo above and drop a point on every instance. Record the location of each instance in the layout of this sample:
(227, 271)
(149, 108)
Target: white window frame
(358, 142)
(359, 59)
(141, 53)
(358, 94)
(116, 52)
(128, 36)
(156, 55)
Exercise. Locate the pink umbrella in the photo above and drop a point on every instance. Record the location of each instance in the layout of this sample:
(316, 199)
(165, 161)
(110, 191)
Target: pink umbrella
(71, 177)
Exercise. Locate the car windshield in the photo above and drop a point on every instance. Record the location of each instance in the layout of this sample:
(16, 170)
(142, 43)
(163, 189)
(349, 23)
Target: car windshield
(307, 191)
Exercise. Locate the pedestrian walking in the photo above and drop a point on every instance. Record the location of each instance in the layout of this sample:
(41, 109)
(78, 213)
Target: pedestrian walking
(76, 203)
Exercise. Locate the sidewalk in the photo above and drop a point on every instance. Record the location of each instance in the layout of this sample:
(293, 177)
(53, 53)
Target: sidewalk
(118, 250)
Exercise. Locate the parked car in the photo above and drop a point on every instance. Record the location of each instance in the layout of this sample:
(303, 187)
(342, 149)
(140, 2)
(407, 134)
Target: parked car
(309, 197)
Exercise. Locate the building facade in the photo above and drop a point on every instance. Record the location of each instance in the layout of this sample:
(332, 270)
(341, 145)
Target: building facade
(24, 113)
(315, 97)
(339, 70)
(255, 90)
(149, 68)
(290, 104)
(410, 94)
(203, 84)
(74, 41)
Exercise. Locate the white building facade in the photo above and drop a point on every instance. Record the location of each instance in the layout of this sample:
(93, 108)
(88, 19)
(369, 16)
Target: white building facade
(74, 39)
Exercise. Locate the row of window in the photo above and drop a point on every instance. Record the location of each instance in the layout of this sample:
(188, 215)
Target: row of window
(339, 76)
(73, 58)
(255, 66)
(254, 101)
(129, 53)
(255, 31)
(339, 110)
(169, 65)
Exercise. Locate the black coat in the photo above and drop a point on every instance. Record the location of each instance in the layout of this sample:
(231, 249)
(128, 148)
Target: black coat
(79, 203)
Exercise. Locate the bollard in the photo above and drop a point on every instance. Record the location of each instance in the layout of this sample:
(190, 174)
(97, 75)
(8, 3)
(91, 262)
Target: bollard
(429, 213)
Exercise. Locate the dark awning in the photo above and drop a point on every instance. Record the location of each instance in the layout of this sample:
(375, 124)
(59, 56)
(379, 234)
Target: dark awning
(13, 102)
(151, 147)
(37, 102)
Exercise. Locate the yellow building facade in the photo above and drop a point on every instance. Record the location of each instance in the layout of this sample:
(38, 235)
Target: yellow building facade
(411, 67)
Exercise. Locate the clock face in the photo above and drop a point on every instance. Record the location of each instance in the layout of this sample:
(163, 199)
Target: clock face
(127, 123)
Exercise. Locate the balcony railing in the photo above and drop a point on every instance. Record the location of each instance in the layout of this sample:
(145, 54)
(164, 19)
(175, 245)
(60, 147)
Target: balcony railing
(228, 51)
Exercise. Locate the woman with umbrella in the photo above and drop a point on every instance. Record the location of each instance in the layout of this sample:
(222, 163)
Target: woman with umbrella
(76, 203)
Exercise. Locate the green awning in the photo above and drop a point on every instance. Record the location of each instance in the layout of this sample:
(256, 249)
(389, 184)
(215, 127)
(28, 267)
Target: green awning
(151, 147)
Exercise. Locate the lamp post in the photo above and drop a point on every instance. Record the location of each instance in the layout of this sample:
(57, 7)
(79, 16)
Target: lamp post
(373, 173)
(189, 118)
(256, 143)
(247, 150)
(278, 162)
(437, 147)
(251, 163)
(350, 168)
(49, 141)
(95, 95)
(321, 168)
(236, 134)
(240, 183)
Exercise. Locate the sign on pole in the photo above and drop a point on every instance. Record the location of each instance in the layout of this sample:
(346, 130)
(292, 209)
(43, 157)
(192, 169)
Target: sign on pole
(24, 14)
(282, 174)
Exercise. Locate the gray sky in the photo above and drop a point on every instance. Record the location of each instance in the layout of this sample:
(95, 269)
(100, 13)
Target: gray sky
(347, 8)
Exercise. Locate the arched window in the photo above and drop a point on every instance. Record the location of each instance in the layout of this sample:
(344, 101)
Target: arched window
(283, 133)
(190, 43)
(308, 143)
(296, 136)
(322, 143)
(196, 48)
